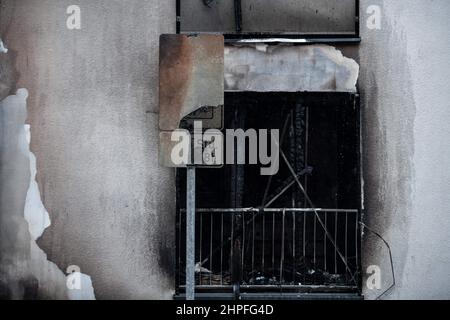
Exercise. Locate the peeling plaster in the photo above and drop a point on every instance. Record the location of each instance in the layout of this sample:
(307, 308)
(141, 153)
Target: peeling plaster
(38, 220)
(289, 68)
(3, 49)
(8, 73)
(25, 272)
(35, 212)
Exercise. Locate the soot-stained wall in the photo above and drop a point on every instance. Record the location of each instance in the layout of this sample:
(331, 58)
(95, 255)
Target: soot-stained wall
(404, 83)
(93, 112)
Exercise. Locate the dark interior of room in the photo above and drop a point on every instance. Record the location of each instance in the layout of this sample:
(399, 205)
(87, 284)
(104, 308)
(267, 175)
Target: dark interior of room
(319, 134)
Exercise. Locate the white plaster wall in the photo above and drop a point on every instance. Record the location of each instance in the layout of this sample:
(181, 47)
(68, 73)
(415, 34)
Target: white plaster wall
(405, 72)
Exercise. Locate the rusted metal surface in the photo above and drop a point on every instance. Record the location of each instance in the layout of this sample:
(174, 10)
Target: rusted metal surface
(191, 76)
(191, 85)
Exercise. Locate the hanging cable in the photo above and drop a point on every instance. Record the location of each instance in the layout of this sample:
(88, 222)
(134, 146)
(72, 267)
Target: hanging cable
(390, 257)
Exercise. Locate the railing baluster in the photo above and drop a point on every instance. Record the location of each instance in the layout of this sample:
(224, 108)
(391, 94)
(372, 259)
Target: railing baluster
(273, 242)
(243, 243)
(263, 241)
(335, 241)
(221, 249)
(346, 240)
(314, 243)
(200, 248)
(356, 240)
(253, 242)
(294, 267)
(325, 243)
(282, 247)
(180, 228)
(231, 242)
(304, 247)
(211, 250)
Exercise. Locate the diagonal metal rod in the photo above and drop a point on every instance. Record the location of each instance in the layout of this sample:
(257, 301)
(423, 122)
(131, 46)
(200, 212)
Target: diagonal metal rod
(288, 186)
(308, 199)
(268, 204)
(269, 182)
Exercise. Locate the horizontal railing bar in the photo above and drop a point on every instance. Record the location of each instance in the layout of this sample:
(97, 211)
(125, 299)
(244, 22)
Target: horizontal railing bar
(273, 286)
(271, 210)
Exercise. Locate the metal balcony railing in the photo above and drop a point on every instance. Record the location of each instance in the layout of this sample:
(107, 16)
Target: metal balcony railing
(264, 249)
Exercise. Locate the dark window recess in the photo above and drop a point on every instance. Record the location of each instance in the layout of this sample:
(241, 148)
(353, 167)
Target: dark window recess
(282, 243)
(237, 19)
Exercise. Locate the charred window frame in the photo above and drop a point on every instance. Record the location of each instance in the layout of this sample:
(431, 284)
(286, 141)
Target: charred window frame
(226, 263)
(239, 34)
(307, 262)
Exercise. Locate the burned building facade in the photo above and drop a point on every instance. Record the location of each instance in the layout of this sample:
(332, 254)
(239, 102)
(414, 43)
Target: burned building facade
(92, 208)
